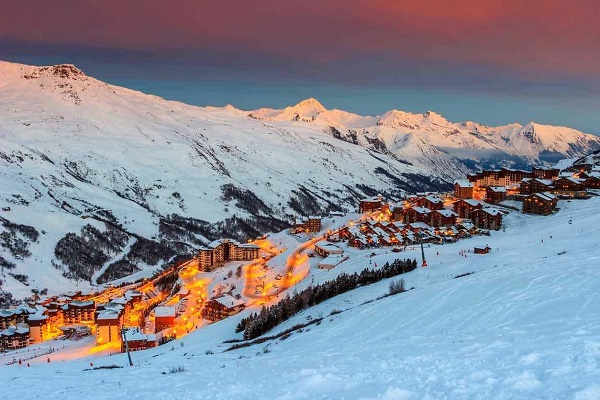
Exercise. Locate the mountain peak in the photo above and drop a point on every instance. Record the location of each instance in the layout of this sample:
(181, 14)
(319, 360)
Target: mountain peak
(66, 71)
(310, 103)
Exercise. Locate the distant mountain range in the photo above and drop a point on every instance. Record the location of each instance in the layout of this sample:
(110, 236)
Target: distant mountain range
(99, 182)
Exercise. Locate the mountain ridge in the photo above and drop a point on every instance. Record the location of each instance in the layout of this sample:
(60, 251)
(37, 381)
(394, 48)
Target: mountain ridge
(116, 180)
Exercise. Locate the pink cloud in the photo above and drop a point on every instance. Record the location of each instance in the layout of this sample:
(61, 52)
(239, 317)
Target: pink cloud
(554, 37)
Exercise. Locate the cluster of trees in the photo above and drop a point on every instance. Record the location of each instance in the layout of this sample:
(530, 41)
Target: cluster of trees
(28, 231)
(4, 263)
(304, 202)
(167, 282)
(245, 199)
(117, 270)
(177, 227)
(16, 239)
(21, 278)
(6, 299)
(256, 325)
(85, 253)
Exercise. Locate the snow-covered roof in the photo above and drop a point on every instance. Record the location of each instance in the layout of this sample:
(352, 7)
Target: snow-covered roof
(574, 180)
(422, 210)
(546, 182)
(135, 334)
(119, 300)
(249, 246)
(379, 231)
(12, 330)
(39, 316)
(463, 183)
(473, 202)
(433, 199)
(492, 211)
(332, 260)
(328, 247)
(164, 311)
(419, 225)
(77, 303)
(373, 199)
(109, 314)
(446, 213)
(545, 196)
(229, 301)
(497, 189)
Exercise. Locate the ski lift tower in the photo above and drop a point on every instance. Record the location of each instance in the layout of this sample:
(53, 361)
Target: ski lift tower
(424, 261)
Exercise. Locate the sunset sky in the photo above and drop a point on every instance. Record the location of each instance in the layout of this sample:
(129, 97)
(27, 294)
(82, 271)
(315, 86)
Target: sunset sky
(494, 62)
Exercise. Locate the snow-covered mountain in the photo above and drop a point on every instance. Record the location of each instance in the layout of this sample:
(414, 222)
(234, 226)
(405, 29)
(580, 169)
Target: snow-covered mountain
(98, 182)
(432, 142)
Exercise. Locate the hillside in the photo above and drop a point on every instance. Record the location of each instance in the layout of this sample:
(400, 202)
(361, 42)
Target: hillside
(101, 182)
(513, 329)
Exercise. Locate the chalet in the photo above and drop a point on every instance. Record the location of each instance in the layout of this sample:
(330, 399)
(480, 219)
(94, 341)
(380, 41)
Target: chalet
(308, 224)
(137, 340)
(14, 337)
(222, 307)
(13, 317)
(431, 202)
(463, 189)
(486, 218)
(370, 204)
(396, 211)
(571, 186)
(545, 173)
(417, 214)
(465, 227)
(495, 194)
(349, 232)
(443, 218)
(592, 181)
(535, 185)
(332, 261)
(325, 248)
(359, 242)
(164, 318)
(481, 250)
(464, 207)
(79, 312)
(539, 203)
(418, 227)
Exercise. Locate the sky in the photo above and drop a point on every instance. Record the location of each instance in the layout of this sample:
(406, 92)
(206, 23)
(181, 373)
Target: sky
(490, 61)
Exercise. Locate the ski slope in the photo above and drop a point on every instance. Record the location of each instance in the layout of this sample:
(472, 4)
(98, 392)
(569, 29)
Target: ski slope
(525, 325)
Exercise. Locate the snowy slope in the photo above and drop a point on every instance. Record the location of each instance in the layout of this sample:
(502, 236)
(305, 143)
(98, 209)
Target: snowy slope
(115, 168)
(525, 325)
